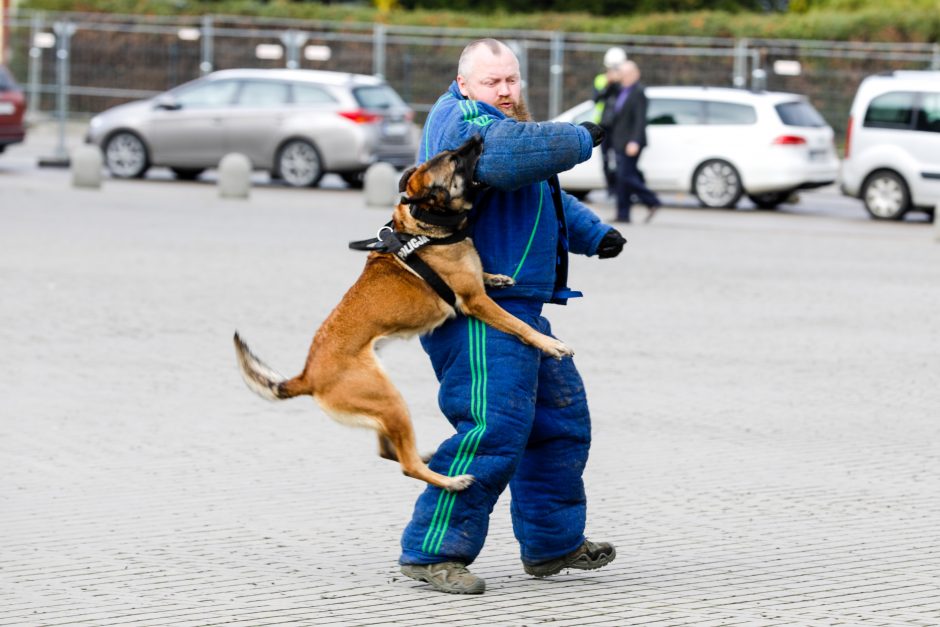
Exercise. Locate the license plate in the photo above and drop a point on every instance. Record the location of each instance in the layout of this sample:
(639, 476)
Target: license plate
(6, 108)
(395, 129)
(817, 155)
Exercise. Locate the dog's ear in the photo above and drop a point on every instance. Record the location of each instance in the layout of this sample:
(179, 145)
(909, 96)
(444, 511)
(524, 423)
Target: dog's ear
(403, 181)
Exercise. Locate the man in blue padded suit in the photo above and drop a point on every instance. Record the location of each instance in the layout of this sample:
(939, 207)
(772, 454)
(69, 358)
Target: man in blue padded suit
(521, 418)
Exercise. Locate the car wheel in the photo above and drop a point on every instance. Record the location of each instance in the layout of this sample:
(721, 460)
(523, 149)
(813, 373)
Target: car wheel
(355, 180)
(886, 196)
(125, 155)
(769, 200)
(299, 164)
(187, 174)
(717, 184)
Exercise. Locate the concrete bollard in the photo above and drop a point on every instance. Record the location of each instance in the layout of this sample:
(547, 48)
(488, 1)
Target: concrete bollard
(936, 223)
(86, 161)
(234, 176)
(380, 184)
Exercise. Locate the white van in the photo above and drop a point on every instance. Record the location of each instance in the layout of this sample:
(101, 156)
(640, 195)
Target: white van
(892, 144)
(721, 143)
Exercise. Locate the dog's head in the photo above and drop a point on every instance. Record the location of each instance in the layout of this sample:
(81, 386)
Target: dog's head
(444, 183)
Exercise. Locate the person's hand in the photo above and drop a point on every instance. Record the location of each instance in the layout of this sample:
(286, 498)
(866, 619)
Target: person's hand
(633, 149)
(597, 133)
(611, 244)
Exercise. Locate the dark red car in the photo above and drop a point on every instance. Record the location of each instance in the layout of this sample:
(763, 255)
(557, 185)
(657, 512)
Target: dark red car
(12, 108)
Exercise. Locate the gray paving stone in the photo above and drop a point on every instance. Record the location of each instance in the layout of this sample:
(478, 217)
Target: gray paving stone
(764, 390)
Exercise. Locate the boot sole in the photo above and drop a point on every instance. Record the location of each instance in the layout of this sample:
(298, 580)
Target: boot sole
(583, 562)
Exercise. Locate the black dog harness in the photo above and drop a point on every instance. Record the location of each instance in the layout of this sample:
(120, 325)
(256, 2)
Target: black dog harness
(404, 245)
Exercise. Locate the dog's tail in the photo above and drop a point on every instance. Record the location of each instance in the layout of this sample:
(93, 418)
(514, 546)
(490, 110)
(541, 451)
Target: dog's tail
(263, 380)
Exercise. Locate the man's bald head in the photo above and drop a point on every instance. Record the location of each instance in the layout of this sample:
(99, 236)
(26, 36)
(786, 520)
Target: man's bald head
(488, 71)
(484, 49)
(629, 73)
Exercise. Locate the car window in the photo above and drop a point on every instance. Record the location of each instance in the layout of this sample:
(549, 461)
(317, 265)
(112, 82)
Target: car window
(799, 113)
(306, 94)
(207, 94)
(377, 97)
(263, 94)
(891, 110)
(928, 116)
(729, 113)
(674, 111)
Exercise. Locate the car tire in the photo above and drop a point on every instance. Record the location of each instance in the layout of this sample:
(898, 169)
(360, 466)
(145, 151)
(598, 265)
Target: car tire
(187, 174)
(885, 195)
(355, 180)
(298, 163)
(717, 184)
(126, 155)
(769, 200)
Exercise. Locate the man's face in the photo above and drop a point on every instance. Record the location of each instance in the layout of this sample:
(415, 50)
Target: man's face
(495, 80)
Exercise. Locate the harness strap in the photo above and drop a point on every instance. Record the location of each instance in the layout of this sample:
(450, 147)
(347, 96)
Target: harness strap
(404, 246)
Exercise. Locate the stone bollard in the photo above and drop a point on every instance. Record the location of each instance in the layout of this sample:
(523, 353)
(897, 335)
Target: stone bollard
(381, 185)
(936, 223)
(86, 161)
(234, 176)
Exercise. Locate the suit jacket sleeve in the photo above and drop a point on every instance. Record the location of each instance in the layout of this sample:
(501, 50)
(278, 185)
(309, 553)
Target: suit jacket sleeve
(637, 131)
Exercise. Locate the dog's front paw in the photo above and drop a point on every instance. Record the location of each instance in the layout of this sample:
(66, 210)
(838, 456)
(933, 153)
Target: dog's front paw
(460, 482)
(498, 280)
(557, 349)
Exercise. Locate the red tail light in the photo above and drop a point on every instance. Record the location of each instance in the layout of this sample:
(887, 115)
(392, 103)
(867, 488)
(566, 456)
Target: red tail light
(848, 137)
(361, 117)
(790, 140)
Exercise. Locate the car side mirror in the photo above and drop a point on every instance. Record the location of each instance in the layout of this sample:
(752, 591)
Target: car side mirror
(166, 102)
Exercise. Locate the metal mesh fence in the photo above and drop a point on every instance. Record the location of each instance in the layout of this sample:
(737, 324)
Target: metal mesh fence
(112, 59)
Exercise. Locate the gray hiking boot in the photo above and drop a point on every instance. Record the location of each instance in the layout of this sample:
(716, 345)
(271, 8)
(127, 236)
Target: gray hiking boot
(450, 577)
(588, 556)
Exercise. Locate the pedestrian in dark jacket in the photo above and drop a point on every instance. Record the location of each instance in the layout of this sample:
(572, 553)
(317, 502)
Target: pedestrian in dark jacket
(628, 140)
(521, 419)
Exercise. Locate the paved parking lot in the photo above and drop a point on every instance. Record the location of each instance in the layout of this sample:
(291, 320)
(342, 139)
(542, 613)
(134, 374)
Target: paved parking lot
(764, 386)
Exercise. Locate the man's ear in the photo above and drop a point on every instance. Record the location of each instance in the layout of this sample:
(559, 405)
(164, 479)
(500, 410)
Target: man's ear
(462, 85)
(403, 181)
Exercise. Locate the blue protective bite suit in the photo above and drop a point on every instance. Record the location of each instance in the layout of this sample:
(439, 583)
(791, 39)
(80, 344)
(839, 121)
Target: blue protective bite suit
(521, 418)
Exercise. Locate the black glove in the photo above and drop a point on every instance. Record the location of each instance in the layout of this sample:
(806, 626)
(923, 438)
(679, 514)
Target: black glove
(597, 133)
(611, 244)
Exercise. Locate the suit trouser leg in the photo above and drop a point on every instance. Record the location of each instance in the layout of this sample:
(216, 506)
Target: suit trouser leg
(488, 393)
(549, 505)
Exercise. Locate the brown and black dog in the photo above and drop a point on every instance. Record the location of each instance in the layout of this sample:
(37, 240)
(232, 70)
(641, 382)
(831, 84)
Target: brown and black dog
(342, 372)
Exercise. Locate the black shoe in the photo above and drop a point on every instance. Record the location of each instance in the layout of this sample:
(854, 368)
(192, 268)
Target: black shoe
(588, 556)
(651, 209)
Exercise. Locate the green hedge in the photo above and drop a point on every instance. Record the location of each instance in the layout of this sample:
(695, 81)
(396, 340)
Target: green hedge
(918, 21)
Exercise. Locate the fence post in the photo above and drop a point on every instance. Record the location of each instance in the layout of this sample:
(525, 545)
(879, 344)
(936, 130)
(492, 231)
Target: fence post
(740, 63)
(35, 66)
(556, 74)
(935, 58)
(206, 65)
(293, 40)
(378, 50)
(63, 32)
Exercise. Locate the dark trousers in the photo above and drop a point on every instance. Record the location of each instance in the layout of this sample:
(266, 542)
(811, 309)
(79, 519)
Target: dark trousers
(610, 168)
(629, 184)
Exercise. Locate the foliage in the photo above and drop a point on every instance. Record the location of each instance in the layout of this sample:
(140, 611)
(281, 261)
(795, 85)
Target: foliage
(916, 21)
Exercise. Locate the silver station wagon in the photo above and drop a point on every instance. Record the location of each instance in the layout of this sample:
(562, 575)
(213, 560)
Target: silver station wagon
(296, 124)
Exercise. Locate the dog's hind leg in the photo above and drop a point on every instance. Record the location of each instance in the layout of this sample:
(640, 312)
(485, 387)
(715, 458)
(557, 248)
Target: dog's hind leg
(365, 396)
(387, 450)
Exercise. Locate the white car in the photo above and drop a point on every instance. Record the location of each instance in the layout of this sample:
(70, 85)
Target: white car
(721, 143)
(892, 147)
